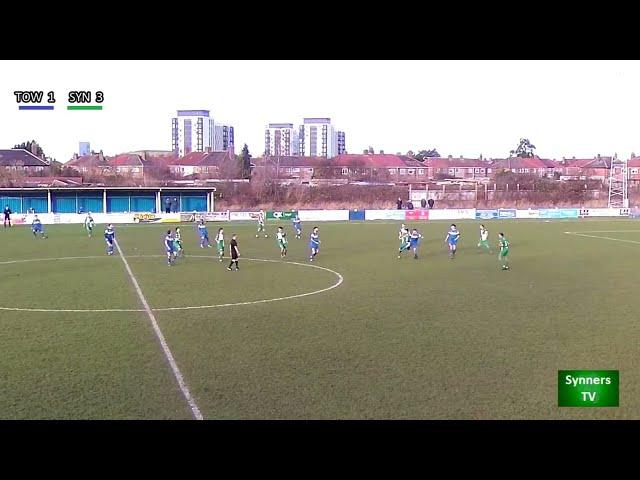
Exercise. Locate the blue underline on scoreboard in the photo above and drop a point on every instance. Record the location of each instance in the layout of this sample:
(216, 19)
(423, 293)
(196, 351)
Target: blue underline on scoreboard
(35, 107)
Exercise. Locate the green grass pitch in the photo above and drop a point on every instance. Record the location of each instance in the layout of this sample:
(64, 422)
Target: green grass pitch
(431, 338)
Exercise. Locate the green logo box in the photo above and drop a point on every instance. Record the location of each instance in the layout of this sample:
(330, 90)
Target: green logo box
(283, 215)
(588, 388)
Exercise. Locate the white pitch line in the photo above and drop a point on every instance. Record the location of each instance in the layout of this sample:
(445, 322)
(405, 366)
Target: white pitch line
(49, 259)
(70, 310)
(196, 307)
(604, 231)
(603, 238)
(167, 352)
(300, 295)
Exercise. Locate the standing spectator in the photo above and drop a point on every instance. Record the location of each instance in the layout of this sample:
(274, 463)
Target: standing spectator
(175, 205)
(399, 203)
(7, 216)
(167, 205)
(431, 202)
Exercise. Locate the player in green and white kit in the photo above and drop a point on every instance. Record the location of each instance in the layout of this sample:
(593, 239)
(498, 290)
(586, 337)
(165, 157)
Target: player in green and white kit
(220, 243)
(403, 236)
(503, 256)
(282, 242)
(261, 228)
(177, 244)
(484, 238)
(88, 224)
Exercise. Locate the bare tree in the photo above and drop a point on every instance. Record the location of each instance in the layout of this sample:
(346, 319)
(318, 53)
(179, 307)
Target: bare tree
(229, 169)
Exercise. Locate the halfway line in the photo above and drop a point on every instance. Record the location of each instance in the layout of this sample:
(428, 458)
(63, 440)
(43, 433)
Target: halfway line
(167, 352)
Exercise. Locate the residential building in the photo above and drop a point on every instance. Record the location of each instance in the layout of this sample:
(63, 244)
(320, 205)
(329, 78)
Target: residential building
(402, 168)
(127, 164)
(634, 168)
(532, 165)
(198, 163)
(291, 166)
(378, 166)
(18, 159)
(596, 168)
(439, 168)
(553, 167)
(383, 167)
(91, 163)
(281, 139)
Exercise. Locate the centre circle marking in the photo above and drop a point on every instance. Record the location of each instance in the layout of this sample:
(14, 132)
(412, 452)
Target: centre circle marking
(339, 281)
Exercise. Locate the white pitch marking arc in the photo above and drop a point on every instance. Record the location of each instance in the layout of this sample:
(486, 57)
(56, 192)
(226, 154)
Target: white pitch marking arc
(340, 279)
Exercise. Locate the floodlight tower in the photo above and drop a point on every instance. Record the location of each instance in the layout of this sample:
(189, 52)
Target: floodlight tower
(618, 194)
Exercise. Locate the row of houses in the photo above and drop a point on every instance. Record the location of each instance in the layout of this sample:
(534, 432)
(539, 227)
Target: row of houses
(143, 163)
(135, 164)
(406, 169)
(399, 168)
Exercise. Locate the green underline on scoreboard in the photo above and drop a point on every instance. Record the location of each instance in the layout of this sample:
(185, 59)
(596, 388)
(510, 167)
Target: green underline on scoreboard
(84, 107)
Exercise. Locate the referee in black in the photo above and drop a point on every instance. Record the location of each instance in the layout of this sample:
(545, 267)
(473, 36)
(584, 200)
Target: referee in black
(7, 216)
(235, 253)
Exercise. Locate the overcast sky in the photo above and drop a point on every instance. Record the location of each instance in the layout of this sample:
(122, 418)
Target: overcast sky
(566, 108)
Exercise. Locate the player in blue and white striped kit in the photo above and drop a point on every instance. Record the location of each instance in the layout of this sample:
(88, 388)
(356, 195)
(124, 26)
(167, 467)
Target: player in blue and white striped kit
(414, 240)
(314, 243)
(169, 248)
(37, 228)
(297, 227)
(110, 238)
(203, 233)
(453, 235)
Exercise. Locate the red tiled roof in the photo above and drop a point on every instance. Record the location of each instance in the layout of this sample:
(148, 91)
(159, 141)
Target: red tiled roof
(634, 162)
(578, 162)
(412, 162)
(194, 159)
(86, 161)
(51, 181)
(596, 162)
(291, 161)
(350, 160)
(550, 163)
(214, 159)
(381, 160)
(160, 160)
(519, 162)
(445, 162)
(189, 159)
(126, 159)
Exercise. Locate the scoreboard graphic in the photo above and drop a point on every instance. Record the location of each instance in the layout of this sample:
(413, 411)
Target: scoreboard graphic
(77, 100)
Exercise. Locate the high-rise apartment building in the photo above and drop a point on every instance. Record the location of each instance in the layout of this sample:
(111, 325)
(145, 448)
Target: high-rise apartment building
(281, 139)
(196, 131)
